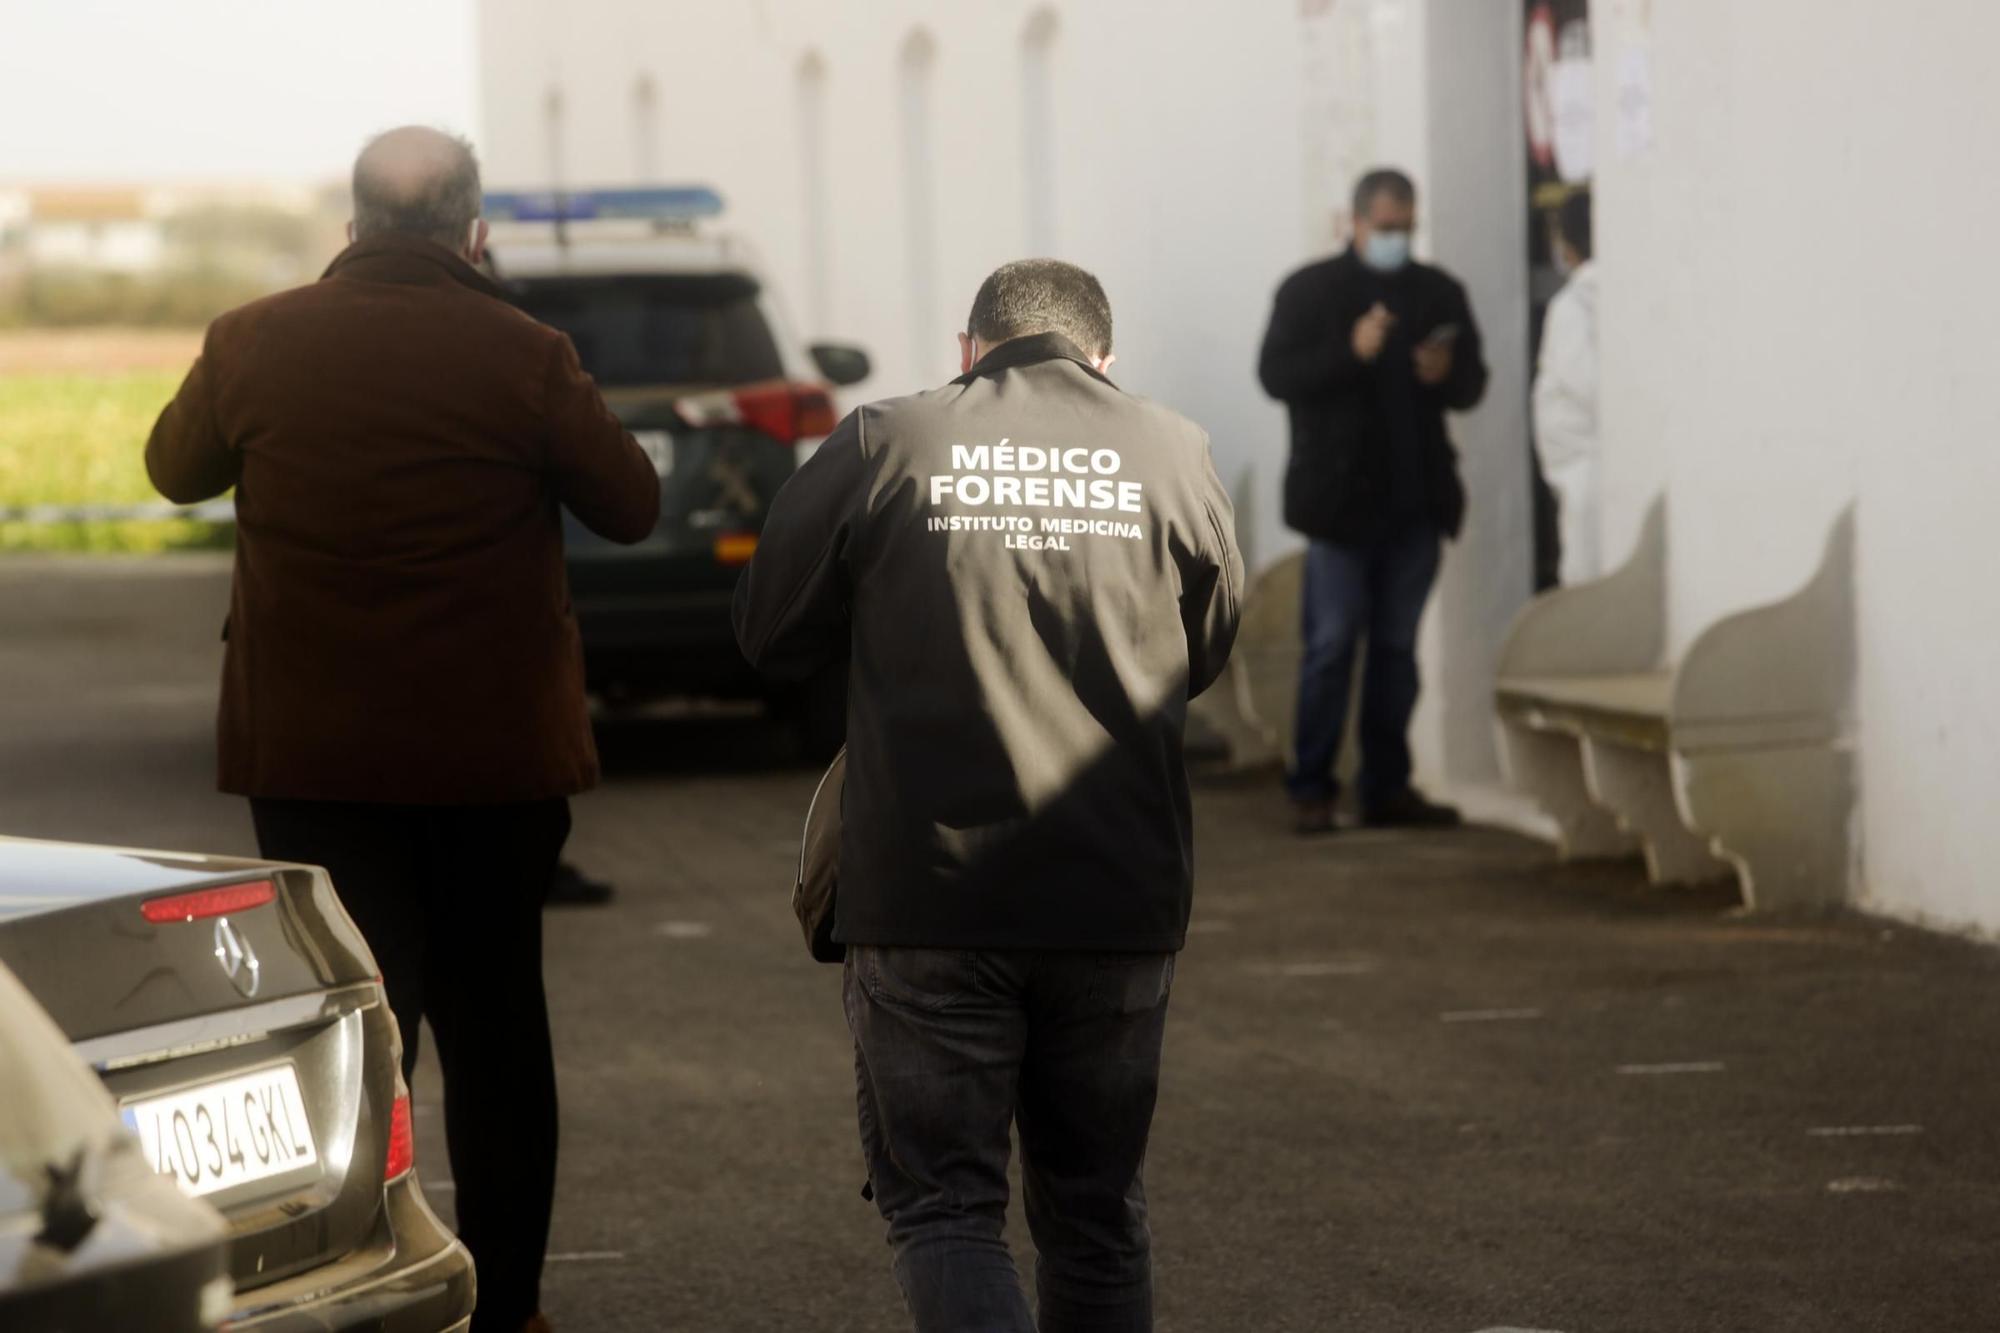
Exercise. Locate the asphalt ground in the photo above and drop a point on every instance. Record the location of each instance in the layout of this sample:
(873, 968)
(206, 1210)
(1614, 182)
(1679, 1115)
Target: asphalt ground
(1425, 1082)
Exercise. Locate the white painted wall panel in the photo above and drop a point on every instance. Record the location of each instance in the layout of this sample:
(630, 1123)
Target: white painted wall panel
(1797, 313)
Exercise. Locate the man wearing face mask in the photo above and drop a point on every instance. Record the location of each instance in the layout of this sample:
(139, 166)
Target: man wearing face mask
(1368, 350)
(402, 692)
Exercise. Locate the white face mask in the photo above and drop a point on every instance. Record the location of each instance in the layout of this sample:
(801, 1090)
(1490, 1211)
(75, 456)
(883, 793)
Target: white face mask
(1386, 251)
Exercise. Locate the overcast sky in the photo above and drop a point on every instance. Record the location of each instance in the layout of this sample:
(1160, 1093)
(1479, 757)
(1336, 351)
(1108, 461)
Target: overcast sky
(143, 90)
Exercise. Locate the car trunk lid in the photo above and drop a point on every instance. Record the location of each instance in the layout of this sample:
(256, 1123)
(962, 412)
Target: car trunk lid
(237, 1020)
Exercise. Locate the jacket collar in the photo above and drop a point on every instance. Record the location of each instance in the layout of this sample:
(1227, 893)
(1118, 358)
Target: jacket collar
(401, 258)
(1026, 351)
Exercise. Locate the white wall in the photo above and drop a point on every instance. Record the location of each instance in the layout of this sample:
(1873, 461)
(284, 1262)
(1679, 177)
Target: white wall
(1797, 314)
(1200, 152)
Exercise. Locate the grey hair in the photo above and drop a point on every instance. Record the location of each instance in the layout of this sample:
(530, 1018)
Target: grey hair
(439, 205)
(1032, 296)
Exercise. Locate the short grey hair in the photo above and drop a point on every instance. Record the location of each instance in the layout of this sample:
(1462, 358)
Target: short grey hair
(419, 182)
(1031, 296)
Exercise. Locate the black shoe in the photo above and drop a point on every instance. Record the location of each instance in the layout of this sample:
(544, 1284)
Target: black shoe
(1408, 809)
(570, 887)
(1312, 817)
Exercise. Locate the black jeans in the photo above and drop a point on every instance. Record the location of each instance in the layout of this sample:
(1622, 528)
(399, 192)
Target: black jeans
(951, 1047)
(1375, 591)
(449, 899)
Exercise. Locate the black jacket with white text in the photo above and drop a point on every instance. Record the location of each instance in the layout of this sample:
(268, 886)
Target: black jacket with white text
(1034, 572)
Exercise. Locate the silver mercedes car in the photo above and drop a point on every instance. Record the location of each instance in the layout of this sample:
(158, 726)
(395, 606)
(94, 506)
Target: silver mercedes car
(238, 1020)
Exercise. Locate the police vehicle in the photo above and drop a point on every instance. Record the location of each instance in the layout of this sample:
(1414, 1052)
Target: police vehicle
(681, 331)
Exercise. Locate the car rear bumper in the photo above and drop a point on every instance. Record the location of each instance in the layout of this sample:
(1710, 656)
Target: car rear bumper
(675, 643)
(166, 1292)
(412, 1277)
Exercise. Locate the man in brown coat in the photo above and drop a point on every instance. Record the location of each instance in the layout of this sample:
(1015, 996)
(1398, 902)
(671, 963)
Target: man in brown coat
(402, 694)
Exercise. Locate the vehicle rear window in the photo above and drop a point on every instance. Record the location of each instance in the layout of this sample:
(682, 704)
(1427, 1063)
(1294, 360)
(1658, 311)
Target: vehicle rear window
(683, 329)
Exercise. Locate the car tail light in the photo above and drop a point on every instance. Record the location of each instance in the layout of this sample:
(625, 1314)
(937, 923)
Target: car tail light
(735, 548)
(402, 1154)
(218, 901)
(785, 411)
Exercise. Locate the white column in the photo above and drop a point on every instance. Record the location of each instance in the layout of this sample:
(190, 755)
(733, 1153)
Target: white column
(1473, 216)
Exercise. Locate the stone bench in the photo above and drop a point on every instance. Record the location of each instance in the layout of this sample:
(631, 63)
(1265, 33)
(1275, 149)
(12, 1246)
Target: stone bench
(1251, 704)
(1735, 759)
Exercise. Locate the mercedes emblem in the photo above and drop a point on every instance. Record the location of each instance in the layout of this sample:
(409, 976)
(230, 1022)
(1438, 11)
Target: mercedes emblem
(238, 959)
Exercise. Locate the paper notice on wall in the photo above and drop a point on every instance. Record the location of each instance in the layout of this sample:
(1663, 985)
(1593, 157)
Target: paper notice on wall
(1635, 100)
(1336, 71)
(1573, 99)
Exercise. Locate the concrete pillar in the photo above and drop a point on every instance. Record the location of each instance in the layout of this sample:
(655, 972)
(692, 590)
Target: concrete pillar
(1474, 217)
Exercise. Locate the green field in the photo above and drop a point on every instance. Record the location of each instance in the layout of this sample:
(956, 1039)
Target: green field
(69, 439)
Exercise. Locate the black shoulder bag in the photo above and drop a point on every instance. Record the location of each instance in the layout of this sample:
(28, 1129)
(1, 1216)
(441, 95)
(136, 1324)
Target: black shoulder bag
(819, 865)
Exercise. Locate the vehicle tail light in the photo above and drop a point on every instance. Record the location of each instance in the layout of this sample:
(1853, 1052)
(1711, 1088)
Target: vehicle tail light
(402, 1154)
(218, 901)
(786, 411)
(735, 548)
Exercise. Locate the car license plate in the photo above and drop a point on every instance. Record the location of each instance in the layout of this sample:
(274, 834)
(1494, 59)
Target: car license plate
(659, 446)
(227, 1133)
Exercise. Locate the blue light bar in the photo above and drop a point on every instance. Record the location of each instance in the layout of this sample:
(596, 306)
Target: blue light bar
(668, 204)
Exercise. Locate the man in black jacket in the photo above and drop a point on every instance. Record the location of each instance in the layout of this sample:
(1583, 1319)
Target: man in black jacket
(1367, 350)
(1035, 572)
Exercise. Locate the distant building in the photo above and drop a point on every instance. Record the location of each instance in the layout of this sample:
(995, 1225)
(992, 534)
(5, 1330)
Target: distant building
(114, 230)
(132, 229)
(240, 238)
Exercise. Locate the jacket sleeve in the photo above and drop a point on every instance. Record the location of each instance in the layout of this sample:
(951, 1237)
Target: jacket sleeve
(186, 456)
(600, 472)
(1565, 387)
(1306, 353)
(791, 607)
(1466, 384)
(1211, 584)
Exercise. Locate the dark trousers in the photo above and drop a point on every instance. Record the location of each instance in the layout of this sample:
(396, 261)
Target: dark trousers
(1378, 592)
(954, 1047)
(449, 899)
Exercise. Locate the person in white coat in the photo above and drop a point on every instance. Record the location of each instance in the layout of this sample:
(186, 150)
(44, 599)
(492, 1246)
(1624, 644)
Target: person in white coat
(1566, 397)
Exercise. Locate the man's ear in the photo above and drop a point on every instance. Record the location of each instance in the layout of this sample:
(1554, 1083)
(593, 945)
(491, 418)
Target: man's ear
(966, 349)
(478, 251)
(1103, 363)
(350, 233)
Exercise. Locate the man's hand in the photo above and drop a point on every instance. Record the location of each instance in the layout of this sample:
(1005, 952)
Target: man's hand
(1432, 359)
(1370, 330)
